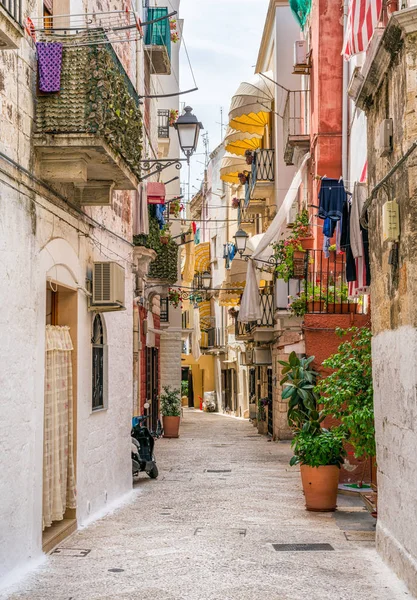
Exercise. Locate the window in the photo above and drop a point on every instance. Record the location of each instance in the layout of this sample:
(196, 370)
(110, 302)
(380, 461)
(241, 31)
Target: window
(99, 370)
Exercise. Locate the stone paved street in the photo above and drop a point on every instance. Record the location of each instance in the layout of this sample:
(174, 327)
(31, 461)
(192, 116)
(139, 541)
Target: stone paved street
(198, 533)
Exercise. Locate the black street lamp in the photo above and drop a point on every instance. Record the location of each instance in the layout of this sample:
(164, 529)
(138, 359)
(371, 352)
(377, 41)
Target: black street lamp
(241, 239)
(188, 128)
(206, 280)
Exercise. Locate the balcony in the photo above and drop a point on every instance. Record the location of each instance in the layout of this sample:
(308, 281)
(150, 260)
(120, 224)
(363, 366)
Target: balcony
(11, 30)
(263, 329)
(325, 289)
(158, 42)
(243, 331)
(163, 132)
(90, 134)
(296, 125)
(263, 175)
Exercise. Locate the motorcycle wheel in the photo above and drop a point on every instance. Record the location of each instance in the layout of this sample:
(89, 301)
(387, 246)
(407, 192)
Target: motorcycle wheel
(153, 473)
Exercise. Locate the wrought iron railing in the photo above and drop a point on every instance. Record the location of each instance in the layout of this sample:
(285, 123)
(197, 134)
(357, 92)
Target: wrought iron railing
(163, 123)
(296, 122)
(164, 310)
(263, 167)
(326, 289)
(242, 329)
(267, 311)
(14, 8)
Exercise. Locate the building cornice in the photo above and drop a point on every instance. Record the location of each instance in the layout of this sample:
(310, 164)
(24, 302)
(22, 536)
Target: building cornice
(382, 50)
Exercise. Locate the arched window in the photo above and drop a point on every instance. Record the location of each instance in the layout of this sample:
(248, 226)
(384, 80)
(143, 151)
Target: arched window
(99, 370)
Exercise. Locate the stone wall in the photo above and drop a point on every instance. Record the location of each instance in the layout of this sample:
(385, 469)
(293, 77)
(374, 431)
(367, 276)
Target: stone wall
(391, 93)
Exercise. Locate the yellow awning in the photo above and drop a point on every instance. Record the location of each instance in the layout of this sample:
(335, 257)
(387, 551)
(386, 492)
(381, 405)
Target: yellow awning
(252, 103)
(237, 142)
(231, 166)
(202, 257)
(189, 265)
(205, 315)
(230, 294)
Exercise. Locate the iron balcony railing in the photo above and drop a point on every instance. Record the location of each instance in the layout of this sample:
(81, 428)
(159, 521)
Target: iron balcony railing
(164, 308)
(13, 8)
(296, 123)
(267, 311)
(242, 329)
(263, 167)
(326, 289)
(163, 123)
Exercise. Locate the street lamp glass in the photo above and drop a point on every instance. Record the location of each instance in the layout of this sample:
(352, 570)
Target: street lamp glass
(206, 280)
(241, 238)
(188, 128)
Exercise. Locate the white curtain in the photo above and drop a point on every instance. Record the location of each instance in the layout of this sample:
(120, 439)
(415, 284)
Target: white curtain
(59, 491)
(250, 309)
(140, 213)
(150, 336)
(196, 335)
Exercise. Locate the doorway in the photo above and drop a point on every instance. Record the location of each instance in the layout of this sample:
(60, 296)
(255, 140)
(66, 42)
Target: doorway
(60, 416)
(152, 385)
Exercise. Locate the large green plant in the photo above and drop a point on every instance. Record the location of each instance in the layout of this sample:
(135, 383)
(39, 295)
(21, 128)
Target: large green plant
(171, 402)
(348, 391)
(320, 448)
(165, 266)
(299, 380)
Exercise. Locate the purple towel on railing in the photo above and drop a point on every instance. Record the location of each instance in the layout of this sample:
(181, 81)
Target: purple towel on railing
(49, 66)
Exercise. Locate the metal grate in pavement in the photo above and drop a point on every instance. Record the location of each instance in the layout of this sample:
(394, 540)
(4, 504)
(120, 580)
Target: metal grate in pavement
(303, 547)
(218, 470)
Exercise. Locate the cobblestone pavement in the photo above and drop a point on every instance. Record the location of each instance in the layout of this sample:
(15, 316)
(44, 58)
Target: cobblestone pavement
(205, 531)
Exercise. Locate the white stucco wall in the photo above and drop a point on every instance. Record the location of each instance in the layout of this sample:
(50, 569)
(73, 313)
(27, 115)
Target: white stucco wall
(394, 356)
(40, 238)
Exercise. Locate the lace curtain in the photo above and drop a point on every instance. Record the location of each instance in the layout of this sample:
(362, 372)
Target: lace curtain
(58, 458)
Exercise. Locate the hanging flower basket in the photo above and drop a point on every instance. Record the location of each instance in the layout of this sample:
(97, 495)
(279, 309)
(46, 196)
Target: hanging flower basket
(235, 202)
(173, 117)
(243, 178)
(174, 297)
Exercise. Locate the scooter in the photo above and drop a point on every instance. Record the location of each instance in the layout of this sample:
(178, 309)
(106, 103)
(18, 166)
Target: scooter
(143, 458)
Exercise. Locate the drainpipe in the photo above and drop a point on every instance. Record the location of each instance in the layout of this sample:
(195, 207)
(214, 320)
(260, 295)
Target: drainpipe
(345, 102)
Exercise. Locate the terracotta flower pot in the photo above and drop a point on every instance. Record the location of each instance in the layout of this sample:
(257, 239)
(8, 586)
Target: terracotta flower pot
(307, 243)
(320, 486)
(262, 427)
(342, 308)
(171, 426)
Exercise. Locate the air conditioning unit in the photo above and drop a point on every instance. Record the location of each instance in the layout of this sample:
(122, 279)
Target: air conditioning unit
(108, 288)
(246, 358)
(262, 356)
(301, 62)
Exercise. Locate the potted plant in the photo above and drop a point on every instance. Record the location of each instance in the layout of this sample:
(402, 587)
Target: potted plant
(347, 394)
(243, 177)
(175, 208)
(261, 416)
(171, 411)
(252, 408)
(235, 202)
(320, 453)
(298, 382)
(249, 157)
(173, 117)
(174, 297)
(233, 312)
(165, 234)
(184, 393)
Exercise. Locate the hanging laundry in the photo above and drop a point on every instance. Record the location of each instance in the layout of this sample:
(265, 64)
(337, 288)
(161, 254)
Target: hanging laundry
(194, 227)
(197, 236)
(49, 66)
(231, 251)
(329, 227)
(332, 197)
(358, 200)
(160, 214)
(345, 244)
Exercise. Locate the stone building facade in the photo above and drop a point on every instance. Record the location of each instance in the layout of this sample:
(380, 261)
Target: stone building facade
(387, 90)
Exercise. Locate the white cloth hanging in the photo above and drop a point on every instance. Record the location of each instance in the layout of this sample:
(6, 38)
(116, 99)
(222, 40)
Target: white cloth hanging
(150, 335)
(140, 214)
(196, 335)
(59, 491)
(250, 309)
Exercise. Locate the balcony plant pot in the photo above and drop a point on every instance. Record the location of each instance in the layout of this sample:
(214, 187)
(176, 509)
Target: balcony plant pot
(308, 242)
(342, 308)
(171, 426)
(262, 427)
(320, 485)
(164, 239)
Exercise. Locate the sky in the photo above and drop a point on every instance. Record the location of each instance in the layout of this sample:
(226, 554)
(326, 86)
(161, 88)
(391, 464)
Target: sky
(222, 38)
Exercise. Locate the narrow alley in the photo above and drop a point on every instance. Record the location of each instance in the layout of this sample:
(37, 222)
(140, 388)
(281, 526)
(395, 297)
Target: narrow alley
(206, 529)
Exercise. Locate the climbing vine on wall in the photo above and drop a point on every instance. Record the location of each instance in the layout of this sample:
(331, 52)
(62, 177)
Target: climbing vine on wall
(165, 266)
(112, 109)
